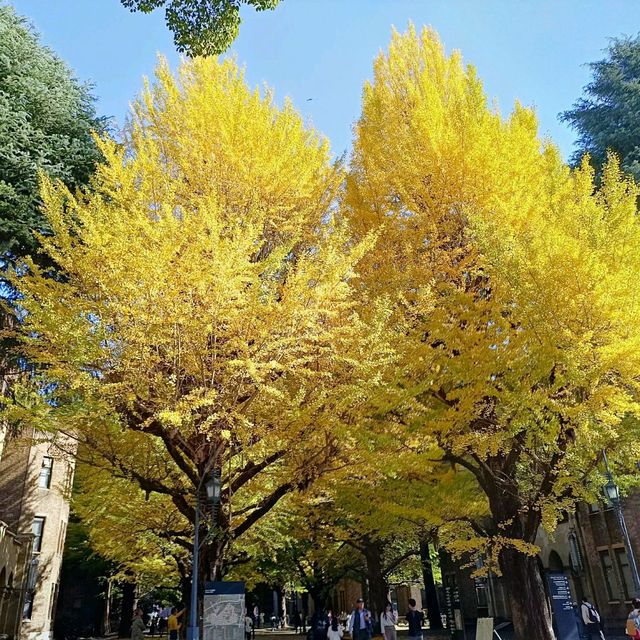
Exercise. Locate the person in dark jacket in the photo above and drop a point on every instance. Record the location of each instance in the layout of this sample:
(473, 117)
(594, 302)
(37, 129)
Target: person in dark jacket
(415, 620)
(361, 622)
(319, 625)
(297, 621)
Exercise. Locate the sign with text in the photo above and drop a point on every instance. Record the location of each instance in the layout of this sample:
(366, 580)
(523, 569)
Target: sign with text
(484, 629)
(224, 610)
(455, 624)
(564, 616)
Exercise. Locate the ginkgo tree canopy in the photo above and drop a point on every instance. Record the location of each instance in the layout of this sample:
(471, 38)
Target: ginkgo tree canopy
(203, 319)
(516, 317)
(459, 298)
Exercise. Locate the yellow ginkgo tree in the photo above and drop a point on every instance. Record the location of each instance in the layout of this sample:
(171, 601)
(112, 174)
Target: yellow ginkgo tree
(201, 319)
(514, 282)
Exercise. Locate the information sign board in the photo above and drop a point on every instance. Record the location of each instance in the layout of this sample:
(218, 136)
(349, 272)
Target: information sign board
(224, 611)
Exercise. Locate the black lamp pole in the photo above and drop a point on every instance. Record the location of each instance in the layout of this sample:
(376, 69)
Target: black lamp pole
(612, 493)
(211, 482)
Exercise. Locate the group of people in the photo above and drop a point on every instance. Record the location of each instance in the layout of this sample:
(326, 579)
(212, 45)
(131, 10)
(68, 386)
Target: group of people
(253, 619)
(594, 625)
(173, 624)
(360, 623)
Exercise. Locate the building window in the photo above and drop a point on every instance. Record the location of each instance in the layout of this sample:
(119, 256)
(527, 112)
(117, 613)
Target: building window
(45, 472)
(27, 608)
(575, 556)
(61, 536)
(37, 528)
(625, 572)
(607, 570)
(481, 594)
(53, 600)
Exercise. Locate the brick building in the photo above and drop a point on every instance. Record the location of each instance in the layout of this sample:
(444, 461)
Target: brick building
(587, 547)
(35, 481)
(611, 583)
(348, 591)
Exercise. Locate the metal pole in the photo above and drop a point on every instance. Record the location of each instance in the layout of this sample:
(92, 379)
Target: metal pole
(193, 632)
(617, 506)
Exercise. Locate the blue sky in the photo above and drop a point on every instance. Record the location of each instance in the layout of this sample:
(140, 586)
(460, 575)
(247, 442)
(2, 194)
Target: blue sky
(319, 52)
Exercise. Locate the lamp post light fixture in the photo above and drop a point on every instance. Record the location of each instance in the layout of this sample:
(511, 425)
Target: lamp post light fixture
(612, 494)
(611, 491)
(212, 485)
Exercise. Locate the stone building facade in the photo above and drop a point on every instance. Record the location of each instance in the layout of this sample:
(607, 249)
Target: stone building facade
(35, 482)
(347, 591)
(15, 552)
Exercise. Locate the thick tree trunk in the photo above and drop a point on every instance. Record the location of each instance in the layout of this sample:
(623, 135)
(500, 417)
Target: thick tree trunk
(212, 560)
(378, 587)
(185, 590)
(515, 519)
(525, 589)
(432, 605)
(126, 609)
(305, 611)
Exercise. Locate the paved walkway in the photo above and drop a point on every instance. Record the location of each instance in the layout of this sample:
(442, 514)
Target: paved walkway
(470, 634)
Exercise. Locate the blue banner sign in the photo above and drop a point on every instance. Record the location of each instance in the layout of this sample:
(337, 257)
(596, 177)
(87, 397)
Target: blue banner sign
(223, 588)
(564, 616)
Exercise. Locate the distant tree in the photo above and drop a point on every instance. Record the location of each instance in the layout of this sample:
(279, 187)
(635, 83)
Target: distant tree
(606, 117)
(46, 119)
(201, 27)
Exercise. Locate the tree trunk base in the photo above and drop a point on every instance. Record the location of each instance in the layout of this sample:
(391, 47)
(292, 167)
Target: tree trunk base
(526, 592)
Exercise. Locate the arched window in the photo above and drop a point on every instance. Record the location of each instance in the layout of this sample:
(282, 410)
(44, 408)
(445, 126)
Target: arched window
(555, 562)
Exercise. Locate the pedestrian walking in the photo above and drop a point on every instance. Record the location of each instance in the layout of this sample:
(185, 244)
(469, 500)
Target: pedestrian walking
(591, 620)
(297, 621)
(415, 619)
(319, 625)
(361, 622)
(137, 625)
(153, 623)
(173, 624)
(633, 621)
(388, 621)
(335, 631)
(248, 625)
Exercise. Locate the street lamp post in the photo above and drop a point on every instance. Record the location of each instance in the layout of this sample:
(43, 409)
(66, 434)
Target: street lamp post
(211, 482)
(612, 493)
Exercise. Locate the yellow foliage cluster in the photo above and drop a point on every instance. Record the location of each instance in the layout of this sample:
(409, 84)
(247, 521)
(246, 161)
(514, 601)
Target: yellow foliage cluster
(459, 298)
(515, 316)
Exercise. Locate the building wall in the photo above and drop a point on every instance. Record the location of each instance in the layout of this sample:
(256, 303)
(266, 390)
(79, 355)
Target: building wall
(22, 502)
(402, 594)
(346, 593)
(612, 585)
(14, 557)
(14, 488)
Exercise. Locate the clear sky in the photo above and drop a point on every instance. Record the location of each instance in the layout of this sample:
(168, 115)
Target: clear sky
(319, 52)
